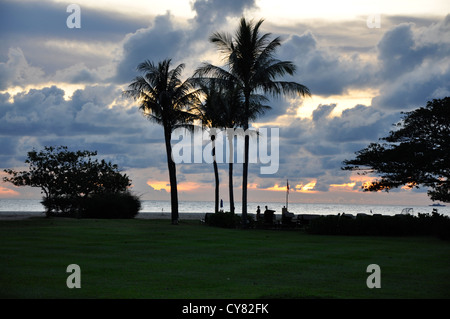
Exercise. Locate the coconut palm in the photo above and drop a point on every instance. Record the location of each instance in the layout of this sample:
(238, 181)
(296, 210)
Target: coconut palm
(232, 114)
(252, 66)
(164, 99)
(210, 112)
(222, 109)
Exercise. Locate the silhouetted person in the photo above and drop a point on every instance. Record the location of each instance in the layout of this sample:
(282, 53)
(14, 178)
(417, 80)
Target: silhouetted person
(269, 216)
(258, 214)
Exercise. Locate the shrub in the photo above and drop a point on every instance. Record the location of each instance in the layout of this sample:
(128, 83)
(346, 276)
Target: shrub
(399, 225)
(223, 219)
(104, 205)
(62, 206)
(120, 205)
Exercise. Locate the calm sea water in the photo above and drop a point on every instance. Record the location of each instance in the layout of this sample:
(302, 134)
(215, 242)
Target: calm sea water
(154, 206)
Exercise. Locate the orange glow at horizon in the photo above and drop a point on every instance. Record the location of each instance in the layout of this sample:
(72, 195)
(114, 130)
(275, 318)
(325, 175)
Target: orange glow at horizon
(251, 186)
(409, 186)
(8, 192)
(346, 186)
(306, 188)
(182, 187)
(365, 180)
(159, 185)
(300, 188)
(277, 188)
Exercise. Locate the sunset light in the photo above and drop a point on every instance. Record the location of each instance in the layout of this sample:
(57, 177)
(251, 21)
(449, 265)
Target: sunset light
(225, 155)
(62, 84)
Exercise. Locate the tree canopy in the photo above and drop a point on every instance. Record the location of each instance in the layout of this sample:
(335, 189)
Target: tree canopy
(418, 153)
(66, 176)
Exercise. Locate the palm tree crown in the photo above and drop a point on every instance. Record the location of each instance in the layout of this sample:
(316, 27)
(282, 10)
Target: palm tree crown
(164, 98)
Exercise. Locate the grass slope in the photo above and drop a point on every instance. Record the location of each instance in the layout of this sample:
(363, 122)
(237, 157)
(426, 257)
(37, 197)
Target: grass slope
(153, 259)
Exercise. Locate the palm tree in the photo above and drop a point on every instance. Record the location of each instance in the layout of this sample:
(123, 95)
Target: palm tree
(164, 99)
(252, 66)
(222, 109)
(232, 116)
(210, 112)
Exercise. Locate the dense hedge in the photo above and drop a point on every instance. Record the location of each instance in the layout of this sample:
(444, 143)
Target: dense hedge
(223, 219)
(378, 225)
(227, 220)
(107, 205)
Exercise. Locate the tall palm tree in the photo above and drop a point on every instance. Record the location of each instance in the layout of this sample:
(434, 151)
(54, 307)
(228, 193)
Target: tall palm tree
(164, 98)
(233, 118)
(222, 109)
(210, 112)
(252, 66)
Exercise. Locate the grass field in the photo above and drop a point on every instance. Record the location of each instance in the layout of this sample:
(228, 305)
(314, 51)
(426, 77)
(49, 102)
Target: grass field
(153, 259)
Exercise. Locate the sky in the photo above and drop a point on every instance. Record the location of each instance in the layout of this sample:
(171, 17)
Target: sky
(365, 62)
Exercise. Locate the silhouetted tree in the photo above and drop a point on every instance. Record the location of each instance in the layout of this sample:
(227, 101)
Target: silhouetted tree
(251, 65)
(222, 109)
(164, 99)
(211, 112)
(65, 177)
(418, 153)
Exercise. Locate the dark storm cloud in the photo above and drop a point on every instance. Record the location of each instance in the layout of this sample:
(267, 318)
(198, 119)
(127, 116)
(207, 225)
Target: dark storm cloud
(324, 71)
(398, 52)
(415, 65)
(410, 62)
(165, 39)
(160, 41)
(29, 25)
(48, 19)
(44, 117)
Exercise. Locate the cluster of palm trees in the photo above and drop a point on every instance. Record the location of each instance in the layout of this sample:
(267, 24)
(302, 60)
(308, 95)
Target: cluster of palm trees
(230, 96)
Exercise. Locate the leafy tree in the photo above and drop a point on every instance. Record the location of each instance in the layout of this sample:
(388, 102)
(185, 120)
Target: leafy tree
(65, 176)
(418, 153)
(251, 65)
(164, 99)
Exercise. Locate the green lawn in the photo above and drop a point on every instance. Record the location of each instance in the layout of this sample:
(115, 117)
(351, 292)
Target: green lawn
(153, 259)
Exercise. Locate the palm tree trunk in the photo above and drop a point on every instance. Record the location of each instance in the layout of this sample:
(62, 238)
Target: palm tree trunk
(246, 157)
(244, 182)
(216, 173)
(230, 168)
(230, 186)
(172, 178)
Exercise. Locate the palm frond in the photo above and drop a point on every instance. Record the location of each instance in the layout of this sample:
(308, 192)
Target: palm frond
(209, 70)
(223, 42)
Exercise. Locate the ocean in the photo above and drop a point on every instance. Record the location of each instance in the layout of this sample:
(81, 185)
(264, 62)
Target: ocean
(34, 207)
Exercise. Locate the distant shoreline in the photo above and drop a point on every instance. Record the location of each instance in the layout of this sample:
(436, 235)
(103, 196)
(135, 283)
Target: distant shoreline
(17, 215)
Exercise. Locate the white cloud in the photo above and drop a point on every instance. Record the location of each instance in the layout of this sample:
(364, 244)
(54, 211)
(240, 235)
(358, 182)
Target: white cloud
(16, 71)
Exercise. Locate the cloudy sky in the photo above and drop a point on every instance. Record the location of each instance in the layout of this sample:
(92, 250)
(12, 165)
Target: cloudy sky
(365, 62)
